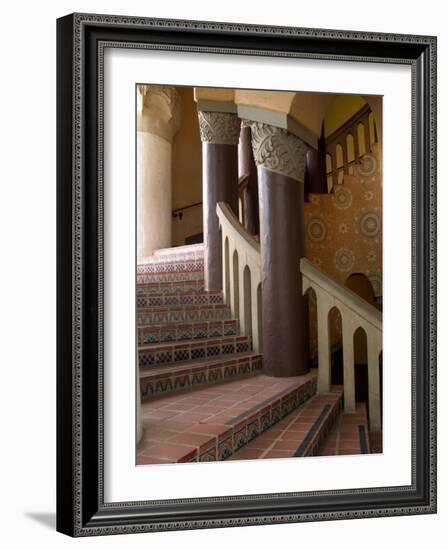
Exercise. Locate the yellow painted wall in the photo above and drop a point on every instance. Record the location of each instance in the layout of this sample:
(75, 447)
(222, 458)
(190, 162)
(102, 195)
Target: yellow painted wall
(187, 169)
(340, 110)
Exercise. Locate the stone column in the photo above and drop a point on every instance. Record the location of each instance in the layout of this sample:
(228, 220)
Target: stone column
(323, 345)
(348, 358)
(158, 119)
(373, 352)
(219, 135)
(247, 167)
(280, 158)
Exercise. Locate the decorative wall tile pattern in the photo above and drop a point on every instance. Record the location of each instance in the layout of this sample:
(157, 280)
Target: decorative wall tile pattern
(344, 234)
(344, 229)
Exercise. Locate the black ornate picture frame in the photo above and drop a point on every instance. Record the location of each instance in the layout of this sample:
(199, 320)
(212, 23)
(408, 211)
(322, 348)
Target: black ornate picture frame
(81, 40)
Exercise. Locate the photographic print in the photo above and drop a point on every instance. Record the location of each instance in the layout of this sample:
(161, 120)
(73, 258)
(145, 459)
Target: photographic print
(246, 274)
(258, 274)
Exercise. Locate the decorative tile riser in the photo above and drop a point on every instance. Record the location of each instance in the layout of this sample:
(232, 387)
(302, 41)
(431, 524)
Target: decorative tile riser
(190, 351)
(187, 314)
(247, 429)
(163, 266)
(171, 257)
(189, 287)
(160, 385)
(315, 445)
(154, 334)
(172, 277)
(179, 300)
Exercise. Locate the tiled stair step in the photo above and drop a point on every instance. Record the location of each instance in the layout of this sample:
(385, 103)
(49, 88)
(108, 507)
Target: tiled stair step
(170, 287)
(160, 265)
(171, 332)
(170, 277)
(188, 251)
(216, 312)
(301, 433)
(376, 442)
(349, 435)
(213, 422)
(188, 350)
(160, 381)
(179, 299)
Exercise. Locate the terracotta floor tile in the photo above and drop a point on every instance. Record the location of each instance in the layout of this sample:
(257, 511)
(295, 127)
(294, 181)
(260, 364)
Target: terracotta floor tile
(354, 451)
(293, 435)
(210, 429)
(284, 445)
(143, 460)
(246, 454)
(277, 454)
(191, 439)
(170, 451)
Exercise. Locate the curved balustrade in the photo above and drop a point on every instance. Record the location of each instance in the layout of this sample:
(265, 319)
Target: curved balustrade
(355, 313)
(241, 274)
(242, 290)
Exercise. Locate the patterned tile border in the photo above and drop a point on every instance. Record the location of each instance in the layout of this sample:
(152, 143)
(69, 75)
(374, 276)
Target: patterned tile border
(162, 266)
(164, 381)
(178, 300)
(153, 334)
(145, 278)
(170, 287)
(217, 312)
(363, 440)
(254, 422)
(191, 350)
(313, 441)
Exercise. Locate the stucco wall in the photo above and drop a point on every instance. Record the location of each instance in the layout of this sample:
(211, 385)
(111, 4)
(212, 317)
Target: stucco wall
(187, 170)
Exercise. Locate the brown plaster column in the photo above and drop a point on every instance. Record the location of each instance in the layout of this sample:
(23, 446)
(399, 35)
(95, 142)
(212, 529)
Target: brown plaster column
(247, 167)
(281, 158)
(219, 135)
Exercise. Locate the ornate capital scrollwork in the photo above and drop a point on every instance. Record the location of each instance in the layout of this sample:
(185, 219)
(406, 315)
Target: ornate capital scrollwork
(222, 128)
(159, 110)
(277, 150)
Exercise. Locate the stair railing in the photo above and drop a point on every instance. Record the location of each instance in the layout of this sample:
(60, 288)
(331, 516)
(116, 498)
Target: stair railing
(355, 313)
(241, 262)
(241, 274)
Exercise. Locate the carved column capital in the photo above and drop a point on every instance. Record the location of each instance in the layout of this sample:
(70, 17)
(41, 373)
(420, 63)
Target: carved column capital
(158, 110)
(220, 128)
(277, 150)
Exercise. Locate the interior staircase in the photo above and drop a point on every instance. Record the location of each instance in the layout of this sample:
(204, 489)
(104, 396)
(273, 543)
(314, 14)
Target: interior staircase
(204, 394)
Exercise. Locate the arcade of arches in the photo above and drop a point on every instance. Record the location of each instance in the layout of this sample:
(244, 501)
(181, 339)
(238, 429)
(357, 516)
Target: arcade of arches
(259, 288)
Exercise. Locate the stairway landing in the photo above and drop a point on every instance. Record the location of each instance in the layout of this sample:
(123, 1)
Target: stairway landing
(213, 422)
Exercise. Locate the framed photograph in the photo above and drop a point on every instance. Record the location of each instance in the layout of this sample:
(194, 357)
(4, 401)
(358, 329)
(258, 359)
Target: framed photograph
(246, 274)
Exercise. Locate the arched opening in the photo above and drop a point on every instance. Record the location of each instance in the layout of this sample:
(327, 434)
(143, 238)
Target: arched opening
(350, 153)
(260, 318)
(372, 129)
(236, 290)
(361, 139)
(360, 285)
(380, 366)
(247, 302)
(226, 271)
(310, 303)
(361, 371)
(240, 210)
(335, 335)
(340, 163)
(329, 171)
